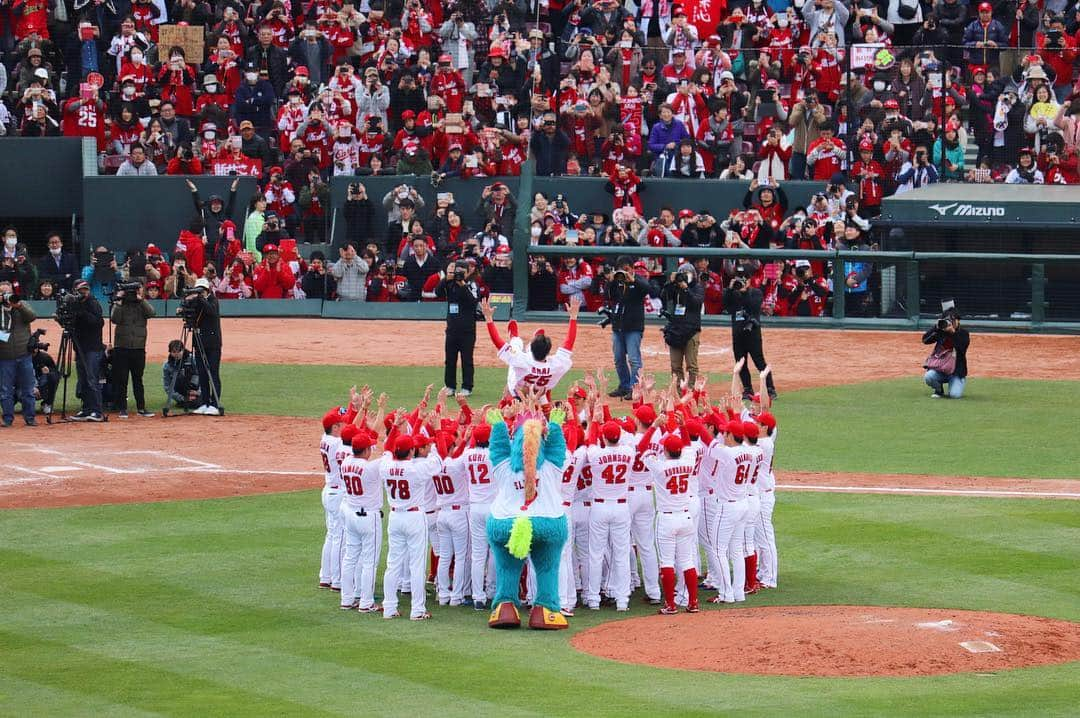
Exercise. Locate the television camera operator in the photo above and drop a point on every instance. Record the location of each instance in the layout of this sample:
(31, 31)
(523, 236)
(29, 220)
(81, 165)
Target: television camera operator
(683, 297)
(743, 302)
(16, 366)
(199, 310)
(46, 374)
(80, 315)
(624, 294)
(129, 314)
(462, 294)
(946, 367)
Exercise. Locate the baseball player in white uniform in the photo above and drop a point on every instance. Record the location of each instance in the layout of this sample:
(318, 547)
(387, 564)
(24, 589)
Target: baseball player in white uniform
(676, 535)
(330, 447)
(765, 536)
(580, 516)
(732, 465)
(422, 444)
(609, 520)
(536, 368)
(452, 488)
(482, 489)
(362, 515)
(567, 583)
(406, 480)
(753, 509)
(642, 507)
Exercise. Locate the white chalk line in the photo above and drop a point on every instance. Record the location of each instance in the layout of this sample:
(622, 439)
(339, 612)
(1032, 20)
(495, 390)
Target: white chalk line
(935, 492)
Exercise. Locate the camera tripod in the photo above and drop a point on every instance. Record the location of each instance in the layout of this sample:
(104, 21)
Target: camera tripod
(191, 339)
(66, 357)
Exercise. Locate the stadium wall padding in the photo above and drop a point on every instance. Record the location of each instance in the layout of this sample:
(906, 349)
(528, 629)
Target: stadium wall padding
(42, 177)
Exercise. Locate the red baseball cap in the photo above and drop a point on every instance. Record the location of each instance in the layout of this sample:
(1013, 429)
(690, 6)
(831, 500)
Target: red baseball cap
(611, 431)
(363, 439)
(750, 429)
(331, 417)
(152, 249)
(695, 428)
(766, 419)
(986, 7)
(866, 146)
(348, 433)
(403, 443)
(408, 115)
(672, 443)
(481, 434)
(645, 414)
(302, 70)
(496, 51)
(892, 105)
(735, 428)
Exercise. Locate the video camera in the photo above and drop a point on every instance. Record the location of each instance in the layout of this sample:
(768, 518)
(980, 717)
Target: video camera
(738, 283)
(127, 292)
(67, 310)
(7, 297)
(35, 344)
(190, 307)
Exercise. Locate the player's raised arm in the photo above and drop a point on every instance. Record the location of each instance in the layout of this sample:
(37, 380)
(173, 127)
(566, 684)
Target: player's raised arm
(489, 319)
(571, 333)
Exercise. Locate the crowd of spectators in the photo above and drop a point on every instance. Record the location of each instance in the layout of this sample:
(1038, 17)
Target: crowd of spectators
(763, 88)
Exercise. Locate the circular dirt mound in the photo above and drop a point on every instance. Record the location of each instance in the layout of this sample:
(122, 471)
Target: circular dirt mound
(836, 641)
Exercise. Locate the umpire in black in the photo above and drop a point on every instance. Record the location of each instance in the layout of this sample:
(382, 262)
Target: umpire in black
(458, 287)
(208, 322)
(743, 303)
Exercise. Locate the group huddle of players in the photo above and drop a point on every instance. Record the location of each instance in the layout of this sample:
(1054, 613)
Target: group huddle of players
(678, 478)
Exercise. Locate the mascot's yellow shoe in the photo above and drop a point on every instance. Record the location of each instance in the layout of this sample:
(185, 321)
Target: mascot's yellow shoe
(504, 615)
(542, 619)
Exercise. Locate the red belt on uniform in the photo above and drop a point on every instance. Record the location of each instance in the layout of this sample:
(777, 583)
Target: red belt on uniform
(711, 492)
(414, 508)
(455, 507)
(566, 503)
(586, 503)
(617, 501)
(680, 511)
(635, 488)
(430, 512)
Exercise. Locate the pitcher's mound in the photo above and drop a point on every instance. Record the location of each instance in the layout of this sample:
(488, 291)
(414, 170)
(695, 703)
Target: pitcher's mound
(836, 641)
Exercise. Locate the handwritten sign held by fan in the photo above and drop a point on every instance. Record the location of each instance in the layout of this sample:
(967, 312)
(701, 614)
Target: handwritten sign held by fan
(189, 37)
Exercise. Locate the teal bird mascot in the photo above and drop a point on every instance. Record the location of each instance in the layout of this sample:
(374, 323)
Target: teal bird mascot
(527, 517)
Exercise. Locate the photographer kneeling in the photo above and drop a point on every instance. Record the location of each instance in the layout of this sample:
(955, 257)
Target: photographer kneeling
(624, 295)
(81, 315)
(129, 314)
(200, 313)
(947, 363)
(683, 297)
(179, 378)
(16, 366)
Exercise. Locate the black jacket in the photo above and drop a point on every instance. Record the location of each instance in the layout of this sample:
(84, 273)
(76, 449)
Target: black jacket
(960, 340)
(626, 302)
(272, 59)
(212, 220)
(550, 153)
(209, 321)
(461, 304)
(61, 273)
(744, 308)
(417, 275)
(318, 286)
(360, 221)
(684, 305)
(88, 323)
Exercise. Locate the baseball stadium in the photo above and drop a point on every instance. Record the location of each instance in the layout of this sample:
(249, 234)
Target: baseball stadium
(729, 446)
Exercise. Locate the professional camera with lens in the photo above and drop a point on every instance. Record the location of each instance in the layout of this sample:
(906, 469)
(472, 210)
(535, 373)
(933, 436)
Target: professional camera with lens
(606, 315)
(7, 298)
(189, 307)
(67, 310)
(35, 344)
(944, 323)
(682, 278)
(128, 292)
(459, 274)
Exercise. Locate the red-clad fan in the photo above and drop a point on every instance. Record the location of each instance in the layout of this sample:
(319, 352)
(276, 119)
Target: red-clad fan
(315, 134)
(625, 187)
(214, 95)
(85, 117)
(448, 84)
(801, 293)
(291, 115)
(679, 68)
(279, 20)
(871, 178)
(825, 154)
(232, 29)
(273, 279)
(280, 195)
(136, 68)
(176, 82)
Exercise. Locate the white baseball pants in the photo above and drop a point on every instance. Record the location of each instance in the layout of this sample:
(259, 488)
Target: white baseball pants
(479, 551)
(753, 511)
(363, 544)
(643, 533)
(728, 547)
(567, 589)
(609, 526)
(765, 538)
(705, 519)
(330, 567)
(407, 547)
(453, 528)
(581, 545)
(676, 540)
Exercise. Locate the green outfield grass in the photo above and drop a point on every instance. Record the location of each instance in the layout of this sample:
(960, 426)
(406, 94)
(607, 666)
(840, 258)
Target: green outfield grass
(209, 608)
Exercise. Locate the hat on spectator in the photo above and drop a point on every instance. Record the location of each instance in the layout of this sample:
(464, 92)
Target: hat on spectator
(270, 213)
(771, 84)
(302, 70)
(672, 443)
(408, 115)
(42, 73)
(678, 51)
(750, 430)
(1025, 151)
(714, 40)
(502, 249)
(210, 79)
(247, 125)
(79, 284)
(678, 11)
(496, 51)
(536, 32)
(151, 249)
(202, 283)
(892, 105)
(684, 213)
(445, 59)
(986, 7)
(1035, 72)
(34, 52)
(152, 284)
(270, 248)
(726, 75)
(865, 145)
(454, 146)
(276, 170)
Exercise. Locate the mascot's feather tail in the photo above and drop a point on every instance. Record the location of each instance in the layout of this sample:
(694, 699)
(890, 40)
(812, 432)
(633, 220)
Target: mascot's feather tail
(520, 537)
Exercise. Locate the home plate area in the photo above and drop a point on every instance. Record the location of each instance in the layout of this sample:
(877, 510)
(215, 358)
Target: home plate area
(160, 460)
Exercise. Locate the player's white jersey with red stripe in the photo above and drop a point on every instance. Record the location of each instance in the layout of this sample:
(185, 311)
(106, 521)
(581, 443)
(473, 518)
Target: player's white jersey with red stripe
(328, 448)
(569, 478)
(671, 481)
(759, 468)
(696, 451)
(408, 481)
(610, 471)
(730, 475)
(583, 474)
(639, 470)
(452, 484)
(477, 462)
(527, 371)
(363, 483)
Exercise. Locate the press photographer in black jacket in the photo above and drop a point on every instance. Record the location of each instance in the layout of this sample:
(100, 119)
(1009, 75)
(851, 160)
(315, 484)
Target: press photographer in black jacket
(85, 330)
(683, 297)
(947, 336)
(208, 322)
(624, 295)
(743, 302)
(458, 287)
